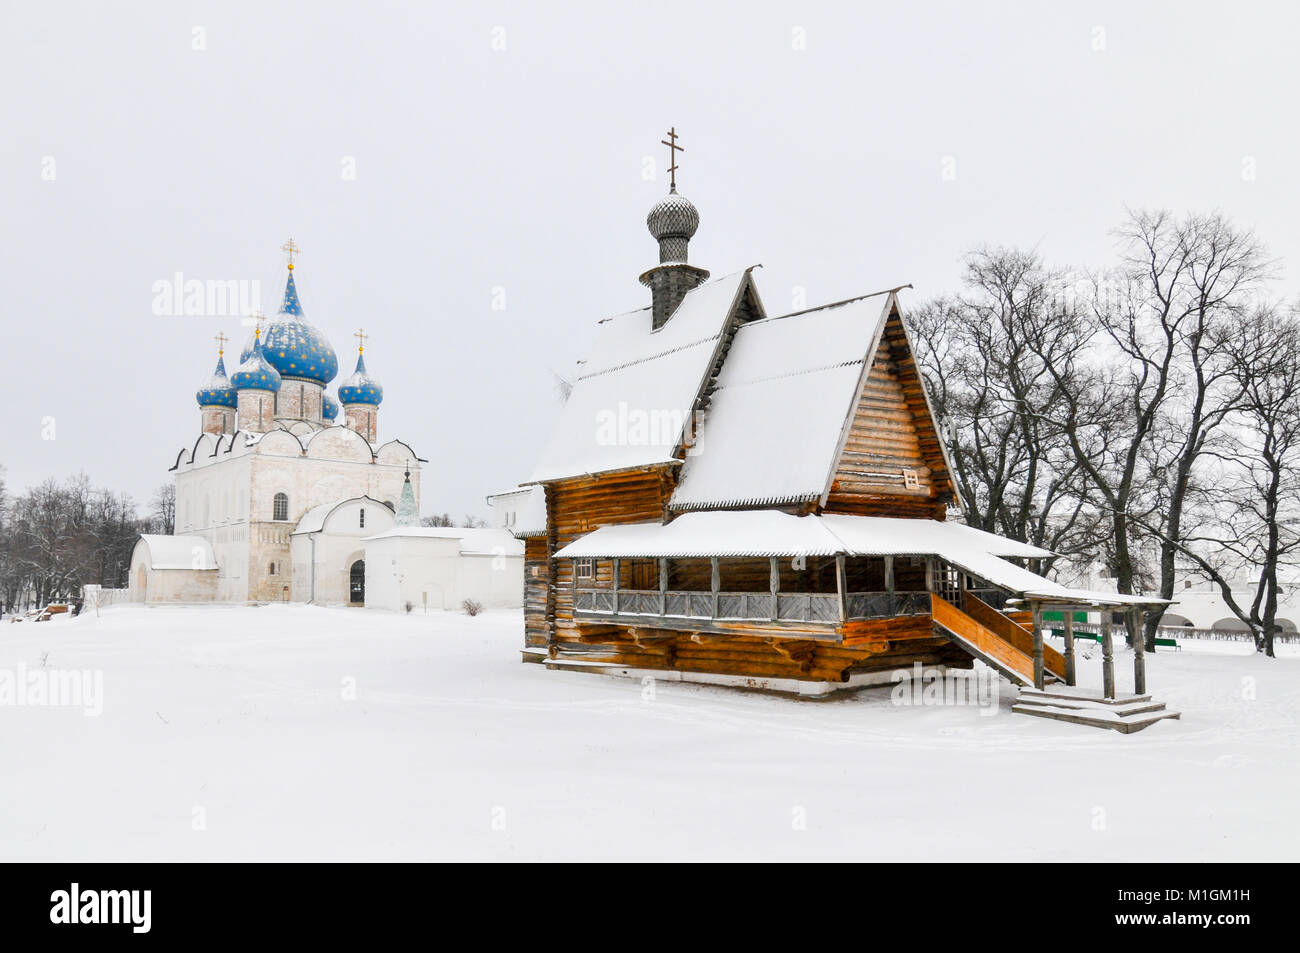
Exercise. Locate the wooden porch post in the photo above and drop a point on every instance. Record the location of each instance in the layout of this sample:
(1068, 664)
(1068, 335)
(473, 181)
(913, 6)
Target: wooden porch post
(889, 575)
(1138, 624)
(715, 583)
(929, 574)
(1069, 648)
(775, 583)
(842, 586)
(663, 587)
(1036, 611)
(617, 568)
(1107, 657)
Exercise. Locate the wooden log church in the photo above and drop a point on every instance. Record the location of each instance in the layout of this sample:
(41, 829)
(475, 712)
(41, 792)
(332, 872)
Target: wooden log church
(763, 500)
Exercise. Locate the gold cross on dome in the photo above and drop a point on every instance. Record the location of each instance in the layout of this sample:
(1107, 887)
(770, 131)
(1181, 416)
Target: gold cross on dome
(221, 340)
(257, 317)
(362, 337)
(673, 149)
(292, 250)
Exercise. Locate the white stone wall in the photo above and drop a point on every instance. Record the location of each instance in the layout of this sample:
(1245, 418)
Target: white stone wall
(432, 572)
(256, 411)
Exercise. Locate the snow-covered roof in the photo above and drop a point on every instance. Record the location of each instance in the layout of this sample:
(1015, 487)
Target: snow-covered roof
(479, 541)
(531, 518)
(313, 521)
(892, 536)
(740, 533)
(178, 552)
(635, 392)
(707, 534)
(777, 412)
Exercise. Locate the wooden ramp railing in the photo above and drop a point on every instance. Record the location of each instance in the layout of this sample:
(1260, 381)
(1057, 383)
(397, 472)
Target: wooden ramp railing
(982, 642)
(1015, 633)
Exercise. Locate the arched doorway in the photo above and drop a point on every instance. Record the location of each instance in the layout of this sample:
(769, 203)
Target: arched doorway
(357, 583)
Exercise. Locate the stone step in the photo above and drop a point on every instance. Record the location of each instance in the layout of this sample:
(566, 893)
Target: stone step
(1081, 695)
(1124, 710)
(1096, 718)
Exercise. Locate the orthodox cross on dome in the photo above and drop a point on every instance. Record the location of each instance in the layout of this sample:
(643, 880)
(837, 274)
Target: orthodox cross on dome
(362, 337)
(257, 317)
(673, 149)
(221, 340)
(291, 249)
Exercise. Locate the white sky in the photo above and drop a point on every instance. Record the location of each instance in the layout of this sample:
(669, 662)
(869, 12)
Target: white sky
(522, 168)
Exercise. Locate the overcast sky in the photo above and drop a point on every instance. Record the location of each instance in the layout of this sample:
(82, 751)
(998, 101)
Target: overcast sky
(499, 156)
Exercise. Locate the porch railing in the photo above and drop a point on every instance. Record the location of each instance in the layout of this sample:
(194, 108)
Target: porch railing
(789, 607)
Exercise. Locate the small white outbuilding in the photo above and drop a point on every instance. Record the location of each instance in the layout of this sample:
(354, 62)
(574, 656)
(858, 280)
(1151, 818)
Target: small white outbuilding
(172, 569)
(441, 567)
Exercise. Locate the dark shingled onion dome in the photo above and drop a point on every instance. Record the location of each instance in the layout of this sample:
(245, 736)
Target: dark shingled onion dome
(673, 221)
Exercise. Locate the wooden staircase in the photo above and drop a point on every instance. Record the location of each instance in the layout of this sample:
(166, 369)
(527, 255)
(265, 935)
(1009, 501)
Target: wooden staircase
(1127, 714)
(1007, 647)
(985, 642)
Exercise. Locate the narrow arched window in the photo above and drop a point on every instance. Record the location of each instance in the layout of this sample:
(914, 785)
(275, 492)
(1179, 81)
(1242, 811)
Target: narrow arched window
(280, 506)
(362, 523)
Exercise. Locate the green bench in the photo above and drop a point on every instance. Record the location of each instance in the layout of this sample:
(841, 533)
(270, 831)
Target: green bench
(1096, 637)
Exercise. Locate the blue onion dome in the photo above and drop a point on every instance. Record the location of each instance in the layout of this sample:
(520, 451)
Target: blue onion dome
(673, 216)
(217, 392)
(247, 352)
(329, 408)
(256, 373)
(361, 388)
(296, 348)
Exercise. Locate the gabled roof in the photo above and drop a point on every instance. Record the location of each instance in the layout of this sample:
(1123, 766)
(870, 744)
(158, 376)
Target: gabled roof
(776, 415)
(638, 388)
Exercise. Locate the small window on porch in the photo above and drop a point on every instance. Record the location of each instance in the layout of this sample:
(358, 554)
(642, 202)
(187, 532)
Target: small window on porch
(584, 569)
(911, 479)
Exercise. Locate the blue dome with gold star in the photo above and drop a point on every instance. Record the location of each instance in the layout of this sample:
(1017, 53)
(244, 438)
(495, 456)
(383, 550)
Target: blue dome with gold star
(361, 388)
(294, 347)
(217, 392)
(329, 408)
(256, 373)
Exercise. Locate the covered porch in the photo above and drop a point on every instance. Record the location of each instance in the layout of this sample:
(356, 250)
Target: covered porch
(822, 590)
(836, 578)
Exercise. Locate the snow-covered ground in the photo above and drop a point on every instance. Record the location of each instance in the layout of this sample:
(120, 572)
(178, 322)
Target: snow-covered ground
(231, 733)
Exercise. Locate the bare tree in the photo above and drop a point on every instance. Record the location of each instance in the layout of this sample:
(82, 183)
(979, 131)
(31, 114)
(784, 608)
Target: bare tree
(1248, 512)
(1165, 381)
(163, 515)
(996, 360)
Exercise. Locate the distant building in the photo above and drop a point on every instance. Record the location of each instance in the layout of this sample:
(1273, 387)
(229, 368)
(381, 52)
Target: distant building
(287, 490)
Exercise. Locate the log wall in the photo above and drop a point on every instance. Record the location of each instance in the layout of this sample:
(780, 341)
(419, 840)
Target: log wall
(891, 432)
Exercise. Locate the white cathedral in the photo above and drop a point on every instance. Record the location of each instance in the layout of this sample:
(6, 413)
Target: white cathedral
(278, 500)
